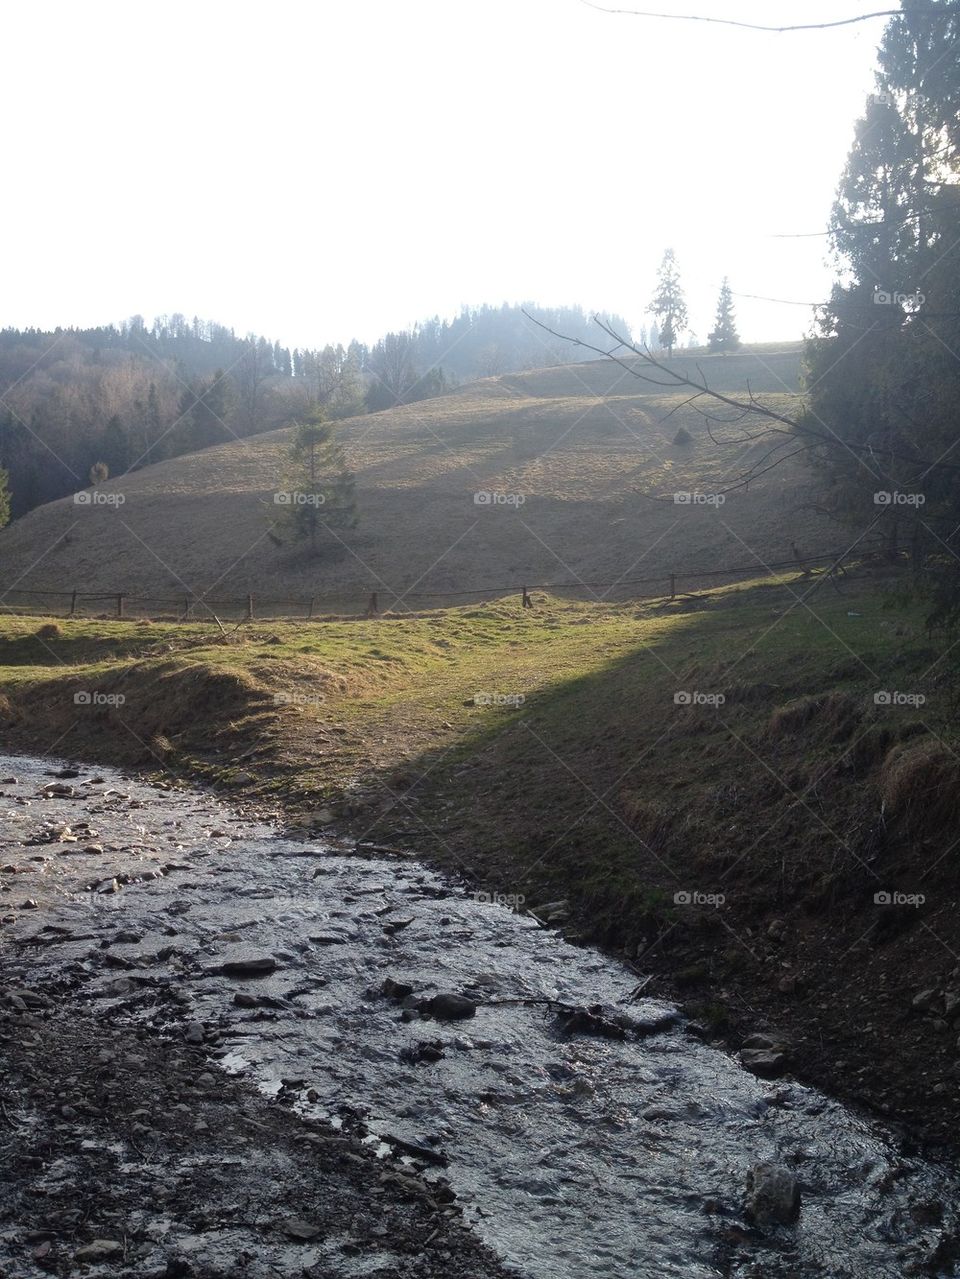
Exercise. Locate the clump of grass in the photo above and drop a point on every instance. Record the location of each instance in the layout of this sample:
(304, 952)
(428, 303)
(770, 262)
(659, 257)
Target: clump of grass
(920, 785)
(683, 438)
(48, 631)
(835, 715)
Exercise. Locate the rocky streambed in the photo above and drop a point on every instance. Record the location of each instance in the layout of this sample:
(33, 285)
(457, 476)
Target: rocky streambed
(274, 1057)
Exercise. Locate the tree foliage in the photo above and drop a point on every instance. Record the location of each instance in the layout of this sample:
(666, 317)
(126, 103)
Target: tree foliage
(724, 336)
(884, 369)
(320, 492)
(668, 303)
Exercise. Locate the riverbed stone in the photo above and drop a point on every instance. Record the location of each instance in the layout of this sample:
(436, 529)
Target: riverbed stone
(924, 1000)
(773, 1195)
(447, 1007)
(766, 1063)
(249, 966)
(99, 1250)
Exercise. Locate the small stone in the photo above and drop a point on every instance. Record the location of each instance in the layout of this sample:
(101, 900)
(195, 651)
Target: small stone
(766, 1065)
(776, 930)
(119, 986)
(30, 904)
(924, 1000)
(194, 1033)
(256, 966)
(99, 1250)
(298, 1228)
(773, 1196)
(395, 989)
(447, 1007)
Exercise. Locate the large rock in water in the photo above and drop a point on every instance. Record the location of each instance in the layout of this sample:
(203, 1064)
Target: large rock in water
(773, 1196)
(249, 966)
(449, 1007)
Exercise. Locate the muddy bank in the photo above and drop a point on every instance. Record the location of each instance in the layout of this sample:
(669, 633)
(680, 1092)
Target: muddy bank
(372, 1002)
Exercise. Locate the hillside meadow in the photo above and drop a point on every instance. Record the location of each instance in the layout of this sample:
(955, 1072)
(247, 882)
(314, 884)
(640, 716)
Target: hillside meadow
(560, 477)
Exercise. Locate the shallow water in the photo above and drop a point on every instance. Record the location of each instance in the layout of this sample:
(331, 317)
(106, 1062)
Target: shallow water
(576, 1157)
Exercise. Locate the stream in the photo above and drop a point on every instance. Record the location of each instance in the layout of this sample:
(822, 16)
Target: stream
(573, 1156)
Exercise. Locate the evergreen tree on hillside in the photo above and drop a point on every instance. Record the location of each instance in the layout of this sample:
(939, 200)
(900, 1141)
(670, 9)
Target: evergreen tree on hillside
(883, 377)
(320, 491)
(725, 336)
(669, 304)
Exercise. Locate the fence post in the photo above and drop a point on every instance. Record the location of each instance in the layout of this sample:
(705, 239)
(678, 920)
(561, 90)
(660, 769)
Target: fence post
(673, 586)
(73, 603)
(119, 605)
(526, 601)
(373, 608)
(310, 609)
(186, 607)
(249, 608)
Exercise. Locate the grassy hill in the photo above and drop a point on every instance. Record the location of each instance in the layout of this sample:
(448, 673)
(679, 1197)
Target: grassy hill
(585, 446)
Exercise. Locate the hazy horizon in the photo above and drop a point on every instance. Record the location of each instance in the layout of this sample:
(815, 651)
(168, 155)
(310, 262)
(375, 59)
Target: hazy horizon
(338, 171)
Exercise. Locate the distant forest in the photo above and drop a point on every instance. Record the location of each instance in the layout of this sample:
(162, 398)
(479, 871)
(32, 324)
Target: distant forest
(118, 398)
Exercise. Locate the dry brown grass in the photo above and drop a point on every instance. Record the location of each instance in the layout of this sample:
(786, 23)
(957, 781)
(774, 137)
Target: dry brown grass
(920, 785)
(828, 715)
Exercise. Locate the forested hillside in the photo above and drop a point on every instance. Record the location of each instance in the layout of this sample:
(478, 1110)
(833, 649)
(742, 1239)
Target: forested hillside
(121, 397)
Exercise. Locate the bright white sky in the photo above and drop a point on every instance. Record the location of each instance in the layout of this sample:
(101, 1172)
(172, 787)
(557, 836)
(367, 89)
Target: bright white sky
(315, 170)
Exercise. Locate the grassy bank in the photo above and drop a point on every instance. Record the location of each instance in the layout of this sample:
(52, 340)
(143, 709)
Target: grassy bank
(710, 784)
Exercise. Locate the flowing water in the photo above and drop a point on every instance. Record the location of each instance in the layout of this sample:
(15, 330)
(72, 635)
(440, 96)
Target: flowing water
(573, 1156)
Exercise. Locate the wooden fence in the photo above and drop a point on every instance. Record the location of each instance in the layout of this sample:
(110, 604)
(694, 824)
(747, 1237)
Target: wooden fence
(363, 601)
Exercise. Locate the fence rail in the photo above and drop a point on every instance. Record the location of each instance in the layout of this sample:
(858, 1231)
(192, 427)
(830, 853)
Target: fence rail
(359, 601)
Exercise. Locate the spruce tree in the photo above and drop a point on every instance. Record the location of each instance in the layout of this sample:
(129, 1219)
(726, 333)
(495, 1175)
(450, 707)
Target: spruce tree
(321, 490)
(669, 304)
(884, 379)
(725, 336)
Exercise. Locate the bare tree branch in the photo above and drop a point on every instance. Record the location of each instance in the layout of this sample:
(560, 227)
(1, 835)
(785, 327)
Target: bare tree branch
(676, 379)
(749, 26)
